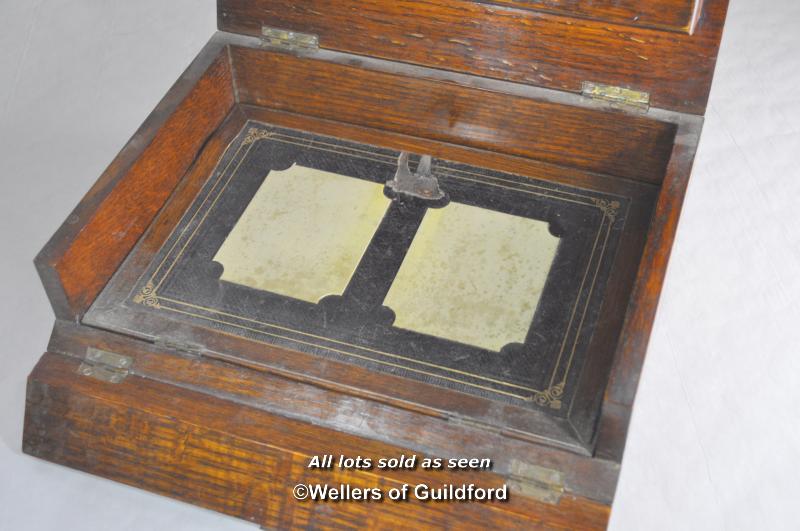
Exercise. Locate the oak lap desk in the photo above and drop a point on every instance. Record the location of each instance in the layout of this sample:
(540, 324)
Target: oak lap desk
(376, 229)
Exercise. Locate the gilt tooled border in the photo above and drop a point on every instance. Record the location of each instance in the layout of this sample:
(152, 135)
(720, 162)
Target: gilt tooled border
(551, 396)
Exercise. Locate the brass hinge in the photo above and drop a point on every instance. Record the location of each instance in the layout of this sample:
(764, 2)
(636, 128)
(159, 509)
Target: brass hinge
(617, 96)
(542, 484)
(288, 39)
(105, 366)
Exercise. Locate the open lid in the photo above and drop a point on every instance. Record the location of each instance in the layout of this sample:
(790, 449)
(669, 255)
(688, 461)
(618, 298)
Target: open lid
(665, 48)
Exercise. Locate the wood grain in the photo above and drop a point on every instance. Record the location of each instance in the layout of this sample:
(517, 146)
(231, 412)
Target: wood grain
(674, 15)
(341, 410)
(634, 147)
(651, 274)
(243, 462)
(557, 173)
(505, 42)
(97, 236)
(630, 353)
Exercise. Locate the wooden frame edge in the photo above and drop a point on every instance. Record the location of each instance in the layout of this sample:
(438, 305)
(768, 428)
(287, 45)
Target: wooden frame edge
(53, 258)
(182, 449)
(639, 319)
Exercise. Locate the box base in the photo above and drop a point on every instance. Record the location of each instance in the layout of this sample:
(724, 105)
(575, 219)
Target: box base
(238, 460)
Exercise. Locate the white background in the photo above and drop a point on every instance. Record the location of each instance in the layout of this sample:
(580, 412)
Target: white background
(715, 438)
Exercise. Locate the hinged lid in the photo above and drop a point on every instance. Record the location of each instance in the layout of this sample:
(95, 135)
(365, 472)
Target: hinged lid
(666, 48)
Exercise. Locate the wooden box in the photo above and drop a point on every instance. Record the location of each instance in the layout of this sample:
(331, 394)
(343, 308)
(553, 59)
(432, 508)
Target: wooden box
(421, 228)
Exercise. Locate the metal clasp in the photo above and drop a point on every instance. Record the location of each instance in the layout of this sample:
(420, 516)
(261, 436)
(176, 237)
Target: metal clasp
(421, 183)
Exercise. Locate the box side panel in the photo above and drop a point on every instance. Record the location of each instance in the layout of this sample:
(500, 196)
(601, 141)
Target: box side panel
(630, 353)
(614, 143)
(279, 391)
(241, 461)
(101, 231)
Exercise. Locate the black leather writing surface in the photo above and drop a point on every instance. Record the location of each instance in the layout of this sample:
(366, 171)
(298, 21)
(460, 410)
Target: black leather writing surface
(539, 371)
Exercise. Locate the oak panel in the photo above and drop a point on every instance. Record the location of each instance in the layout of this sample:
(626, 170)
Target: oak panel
(674, 15)
(634, 147)
(505, 42)
(82, 256)
(242, 461)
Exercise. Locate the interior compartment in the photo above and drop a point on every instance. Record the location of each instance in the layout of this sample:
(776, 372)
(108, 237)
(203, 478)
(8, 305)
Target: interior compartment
(493, 289)
(495, 126)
